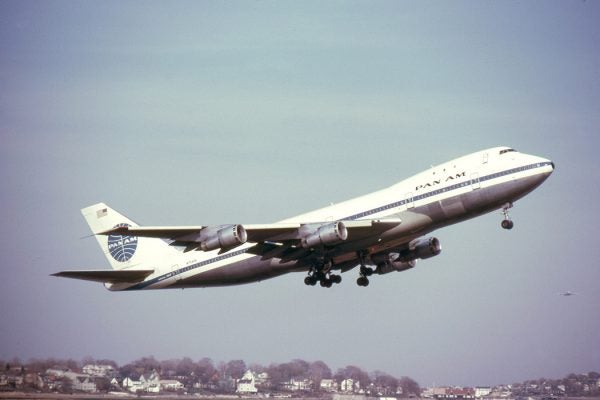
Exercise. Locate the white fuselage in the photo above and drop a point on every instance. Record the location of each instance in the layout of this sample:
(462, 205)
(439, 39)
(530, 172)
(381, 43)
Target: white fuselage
(448, 193)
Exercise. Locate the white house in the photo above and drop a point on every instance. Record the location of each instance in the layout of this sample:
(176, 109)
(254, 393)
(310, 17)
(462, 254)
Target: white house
(329, 385)
(298, 384)
(247, 384)
(482, 391)
(349, 385)
(133, 386)
(148, 384)
(171, 385)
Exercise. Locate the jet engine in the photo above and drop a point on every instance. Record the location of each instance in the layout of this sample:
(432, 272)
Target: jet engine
(326, 235)
(226, 238)
(422, 248)
(387, 263)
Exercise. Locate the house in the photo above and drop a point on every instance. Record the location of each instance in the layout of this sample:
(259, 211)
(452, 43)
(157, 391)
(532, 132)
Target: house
(454, 393)
(247, 384)
(81, 382)
(146, 383)
(295, 385)
(262, 380)
(171, 385)
(328, 385)
(349, 386)
(133, 386)
(482, 391)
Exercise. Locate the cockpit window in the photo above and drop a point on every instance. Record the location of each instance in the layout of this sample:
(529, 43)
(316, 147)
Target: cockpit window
(506, 151)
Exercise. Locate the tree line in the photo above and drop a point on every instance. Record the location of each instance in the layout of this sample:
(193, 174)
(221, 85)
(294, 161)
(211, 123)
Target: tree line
(215, 375)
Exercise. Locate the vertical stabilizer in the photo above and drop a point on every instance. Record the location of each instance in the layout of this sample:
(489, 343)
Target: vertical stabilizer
(124, 252)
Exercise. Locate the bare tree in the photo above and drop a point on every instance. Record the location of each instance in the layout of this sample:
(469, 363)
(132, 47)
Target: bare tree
(355, 373)
(235, 369)
(409, 386)
(318, 371)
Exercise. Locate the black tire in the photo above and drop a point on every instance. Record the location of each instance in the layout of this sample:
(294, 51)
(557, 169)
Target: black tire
(507, 224)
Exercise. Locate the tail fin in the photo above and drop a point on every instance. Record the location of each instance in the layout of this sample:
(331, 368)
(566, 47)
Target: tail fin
(124, 252)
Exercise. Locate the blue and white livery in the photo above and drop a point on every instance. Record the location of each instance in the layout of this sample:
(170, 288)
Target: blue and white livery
(380, 232)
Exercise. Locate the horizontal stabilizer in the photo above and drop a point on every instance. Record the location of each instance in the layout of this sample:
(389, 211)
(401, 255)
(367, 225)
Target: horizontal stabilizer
(107, 275)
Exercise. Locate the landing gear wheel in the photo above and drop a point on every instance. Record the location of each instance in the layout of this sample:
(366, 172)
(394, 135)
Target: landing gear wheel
(326, 283)
(337, 279)
(366, 271)
(507, 224)
(310, 281)
(362, 281)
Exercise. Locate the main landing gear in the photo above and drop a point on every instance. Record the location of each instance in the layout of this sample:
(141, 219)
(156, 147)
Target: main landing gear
(365, 272)
(507, 222)
(321, 273)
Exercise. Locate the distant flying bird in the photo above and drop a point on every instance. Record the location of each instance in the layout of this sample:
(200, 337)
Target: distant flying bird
(567, 293)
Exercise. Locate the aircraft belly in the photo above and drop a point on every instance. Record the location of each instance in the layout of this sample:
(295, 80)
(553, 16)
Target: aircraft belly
(452, 207)
(250, 270)
(481, 201)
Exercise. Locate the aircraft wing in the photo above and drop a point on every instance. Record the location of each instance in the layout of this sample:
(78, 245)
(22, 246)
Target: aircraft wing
(257, 233)
(107, 275)
(284, 234)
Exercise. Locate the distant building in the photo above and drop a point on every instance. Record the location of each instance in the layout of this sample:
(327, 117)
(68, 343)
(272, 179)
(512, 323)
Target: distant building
(454, 393)
(247, 385)
(349, 386)
(482, 391)
(149, 383)
(81, 382)
(262, 380)
(171, 385)
(294, 385)
(329, 385)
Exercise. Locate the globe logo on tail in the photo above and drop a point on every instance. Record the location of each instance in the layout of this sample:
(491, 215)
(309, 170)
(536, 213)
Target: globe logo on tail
(122, 247)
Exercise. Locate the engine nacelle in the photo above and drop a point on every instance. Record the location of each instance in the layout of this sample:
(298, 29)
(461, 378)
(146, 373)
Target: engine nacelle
(422, 248)
(226, 238)
(387, 263)
(329, 234)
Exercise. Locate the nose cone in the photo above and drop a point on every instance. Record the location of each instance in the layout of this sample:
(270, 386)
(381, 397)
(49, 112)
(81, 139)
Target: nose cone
(550, 165)
(546, 164)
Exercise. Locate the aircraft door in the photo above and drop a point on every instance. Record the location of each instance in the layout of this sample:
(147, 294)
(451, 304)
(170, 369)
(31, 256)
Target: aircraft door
(475, 183)
(175, 276)
(410, 200)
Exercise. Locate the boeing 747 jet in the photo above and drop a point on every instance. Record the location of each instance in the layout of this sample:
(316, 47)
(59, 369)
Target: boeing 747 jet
(381, 232)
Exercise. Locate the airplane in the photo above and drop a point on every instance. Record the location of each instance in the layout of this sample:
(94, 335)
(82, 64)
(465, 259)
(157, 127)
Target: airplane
(567, 293)
(381, 232)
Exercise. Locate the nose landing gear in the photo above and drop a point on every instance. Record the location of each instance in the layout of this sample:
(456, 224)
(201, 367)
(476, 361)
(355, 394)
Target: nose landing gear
(507, 223)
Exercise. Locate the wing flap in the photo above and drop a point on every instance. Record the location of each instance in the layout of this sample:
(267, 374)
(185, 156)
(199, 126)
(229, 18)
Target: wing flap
(159, 232)
(107, 275)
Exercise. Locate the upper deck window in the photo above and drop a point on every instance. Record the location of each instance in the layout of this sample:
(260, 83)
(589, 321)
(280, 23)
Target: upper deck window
(506, 151)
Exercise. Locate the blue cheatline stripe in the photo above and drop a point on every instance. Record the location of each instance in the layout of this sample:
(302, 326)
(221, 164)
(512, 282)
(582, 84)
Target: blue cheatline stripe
(363, 214)
(444, 190)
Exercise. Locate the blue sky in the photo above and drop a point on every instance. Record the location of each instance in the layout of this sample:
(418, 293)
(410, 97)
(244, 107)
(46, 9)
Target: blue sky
(250, 112)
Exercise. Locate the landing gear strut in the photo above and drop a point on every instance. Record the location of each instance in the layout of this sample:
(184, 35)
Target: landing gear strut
(365, 271)
(321, 272)
(507, 222)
